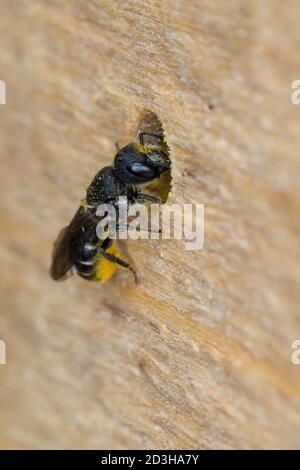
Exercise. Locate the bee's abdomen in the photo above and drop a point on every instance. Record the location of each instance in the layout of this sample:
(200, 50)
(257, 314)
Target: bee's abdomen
(87, 261)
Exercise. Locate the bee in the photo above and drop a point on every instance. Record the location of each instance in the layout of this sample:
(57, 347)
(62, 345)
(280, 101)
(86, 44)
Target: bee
(78, 247)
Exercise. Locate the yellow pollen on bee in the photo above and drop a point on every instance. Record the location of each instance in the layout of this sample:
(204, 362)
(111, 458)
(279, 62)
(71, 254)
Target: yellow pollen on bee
(105, 268)
(142, 148)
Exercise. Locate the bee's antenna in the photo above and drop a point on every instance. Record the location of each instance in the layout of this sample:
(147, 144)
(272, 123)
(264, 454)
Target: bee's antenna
(142, 135)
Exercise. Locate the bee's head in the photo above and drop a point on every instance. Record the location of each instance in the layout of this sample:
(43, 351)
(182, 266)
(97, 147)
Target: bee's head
(137, 164)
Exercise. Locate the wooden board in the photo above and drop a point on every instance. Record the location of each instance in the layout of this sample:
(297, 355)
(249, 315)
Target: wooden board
(198, 355)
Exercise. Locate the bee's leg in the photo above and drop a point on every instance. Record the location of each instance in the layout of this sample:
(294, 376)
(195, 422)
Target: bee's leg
(110, 242)
(120, 227)
(142, 135)
(117, 146)
(119, 261)
(142, 198)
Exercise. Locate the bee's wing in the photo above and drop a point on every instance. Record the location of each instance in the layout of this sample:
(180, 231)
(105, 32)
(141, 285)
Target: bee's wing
(68, 243)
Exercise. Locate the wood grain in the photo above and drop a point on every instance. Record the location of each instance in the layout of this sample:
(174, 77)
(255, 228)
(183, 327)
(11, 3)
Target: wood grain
(198, 355)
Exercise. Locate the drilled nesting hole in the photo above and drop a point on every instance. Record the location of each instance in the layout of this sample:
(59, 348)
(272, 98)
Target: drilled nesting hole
(149, 122)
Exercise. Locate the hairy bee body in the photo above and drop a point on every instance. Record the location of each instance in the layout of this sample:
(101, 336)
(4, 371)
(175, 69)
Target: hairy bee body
(78, 247)
(104, 187)
(92, 266)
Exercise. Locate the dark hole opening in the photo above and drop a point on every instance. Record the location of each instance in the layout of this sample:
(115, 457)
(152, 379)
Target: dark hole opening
(149, 122)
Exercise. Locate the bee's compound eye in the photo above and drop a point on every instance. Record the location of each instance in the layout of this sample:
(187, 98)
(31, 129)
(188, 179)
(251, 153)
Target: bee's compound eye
(142, 170)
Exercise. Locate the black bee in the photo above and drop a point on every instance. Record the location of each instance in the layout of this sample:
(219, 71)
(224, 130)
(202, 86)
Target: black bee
(78, 247)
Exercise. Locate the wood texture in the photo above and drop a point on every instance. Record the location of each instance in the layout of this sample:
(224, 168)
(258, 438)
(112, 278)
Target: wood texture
(198, 354)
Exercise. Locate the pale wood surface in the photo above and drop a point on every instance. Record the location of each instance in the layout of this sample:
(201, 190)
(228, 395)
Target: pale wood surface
(198, 354)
